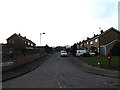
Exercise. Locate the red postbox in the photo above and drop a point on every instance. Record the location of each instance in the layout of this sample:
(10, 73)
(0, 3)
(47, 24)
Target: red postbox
(109, 56)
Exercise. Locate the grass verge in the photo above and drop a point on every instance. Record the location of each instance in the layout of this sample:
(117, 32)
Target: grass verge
(104, 63)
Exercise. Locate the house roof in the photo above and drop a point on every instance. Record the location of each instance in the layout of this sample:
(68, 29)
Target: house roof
(99, 35)
(109, 30)
(96, 36)
(110, 42)
(21, 37)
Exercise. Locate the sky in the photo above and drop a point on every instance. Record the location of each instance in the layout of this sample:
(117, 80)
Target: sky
(64, 22)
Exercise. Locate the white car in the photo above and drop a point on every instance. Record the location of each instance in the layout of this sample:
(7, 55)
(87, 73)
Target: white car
(92, 53)
(63, 53)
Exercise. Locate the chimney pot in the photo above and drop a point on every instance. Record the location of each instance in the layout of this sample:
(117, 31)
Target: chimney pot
(19, 34)
(101, 31)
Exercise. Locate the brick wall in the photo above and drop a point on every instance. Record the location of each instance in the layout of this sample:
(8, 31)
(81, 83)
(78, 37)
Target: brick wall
(21, 61)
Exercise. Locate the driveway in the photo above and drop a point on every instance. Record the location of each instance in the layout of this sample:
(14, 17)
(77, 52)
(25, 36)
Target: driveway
(60, 72)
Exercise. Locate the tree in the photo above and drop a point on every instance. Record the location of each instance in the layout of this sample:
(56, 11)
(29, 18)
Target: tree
(73, 49)
(115, 51)
(48, 49)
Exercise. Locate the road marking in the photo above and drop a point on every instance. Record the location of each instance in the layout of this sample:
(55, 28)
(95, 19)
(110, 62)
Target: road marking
(59, 85)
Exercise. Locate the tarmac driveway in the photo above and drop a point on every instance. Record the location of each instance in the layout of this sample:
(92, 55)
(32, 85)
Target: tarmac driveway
(59, 72)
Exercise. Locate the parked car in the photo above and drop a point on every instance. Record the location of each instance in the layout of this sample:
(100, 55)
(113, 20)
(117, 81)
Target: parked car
(92, 53)
(84, 53)
(63, 53)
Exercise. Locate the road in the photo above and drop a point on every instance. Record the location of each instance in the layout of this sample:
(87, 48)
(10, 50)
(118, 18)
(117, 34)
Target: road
(59, 72)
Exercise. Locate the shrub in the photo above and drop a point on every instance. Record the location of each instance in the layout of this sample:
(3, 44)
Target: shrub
(115, 51)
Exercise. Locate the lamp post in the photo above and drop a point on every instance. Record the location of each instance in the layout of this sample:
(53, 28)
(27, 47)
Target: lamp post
(40, 37)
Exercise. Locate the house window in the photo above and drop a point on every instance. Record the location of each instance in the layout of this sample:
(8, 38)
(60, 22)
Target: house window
(9, 41)
(12, 41)
(28, 43)
(96, 40)
(91, 42)
(31, 44)
(87, 42)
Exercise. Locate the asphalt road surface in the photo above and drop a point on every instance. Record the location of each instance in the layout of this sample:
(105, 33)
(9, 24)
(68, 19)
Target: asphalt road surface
(59, 72)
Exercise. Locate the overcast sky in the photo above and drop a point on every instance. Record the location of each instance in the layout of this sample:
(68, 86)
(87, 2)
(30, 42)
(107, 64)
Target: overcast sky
(65, 22)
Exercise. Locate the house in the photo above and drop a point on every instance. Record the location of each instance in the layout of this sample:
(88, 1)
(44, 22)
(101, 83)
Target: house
(108, 39)
(102, 43)
(18, 41)
(94, 44)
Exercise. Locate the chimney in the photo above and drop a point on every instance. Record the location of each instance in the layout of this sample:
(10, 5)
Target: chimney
(25, 37)
(101, 31)
(94, 35)
(19, 34)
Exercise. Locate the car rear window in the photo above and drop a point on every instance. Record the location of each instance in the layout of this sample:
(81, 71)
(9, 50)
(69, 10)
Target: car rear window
(63, 51)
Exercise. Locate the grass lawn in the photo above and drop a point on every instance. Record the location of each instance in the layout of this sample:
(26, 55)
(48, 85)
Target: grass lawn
(104, 63)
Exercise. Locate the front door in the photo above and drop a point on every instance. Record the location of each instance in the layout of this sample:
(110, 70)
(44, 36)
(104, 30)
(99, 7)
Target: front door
(102, 51)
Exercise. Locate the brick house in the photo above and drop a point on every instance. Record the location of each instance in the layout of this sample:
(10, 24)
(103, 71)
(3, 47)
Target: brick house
(103, 42)
(107, 40)
(87, 44)
(18, 41)
(94, 44)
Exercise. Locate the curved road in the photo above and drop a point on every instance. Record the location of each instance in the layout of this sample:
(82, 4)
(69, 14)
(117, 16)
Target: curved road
(59, 72)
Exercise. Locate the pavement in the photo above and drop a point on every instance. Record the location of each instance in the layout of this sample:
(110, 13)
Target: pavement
(24, 68)
(33, 65)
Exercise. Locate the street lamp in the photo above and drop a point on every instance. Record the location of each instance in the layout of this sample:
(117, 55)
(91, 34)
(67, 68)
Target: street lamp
(40, 37)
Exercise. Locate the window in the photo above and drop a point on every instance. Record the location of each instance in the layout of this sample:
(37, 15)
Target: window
(28, 43)
(87, 42)
(9, 41)
(12, 41)
(96, 40)
(31, 44)
(91, 42)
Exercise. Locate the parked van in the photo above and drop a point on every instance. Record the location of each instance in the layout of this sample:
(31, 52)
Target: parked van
(81, 52)
(84, 53)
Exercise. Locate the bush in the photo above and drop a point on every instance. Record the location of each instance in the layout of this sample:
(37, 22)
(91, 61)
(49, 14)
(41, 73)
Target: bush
(73, 49)
(115, 51)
